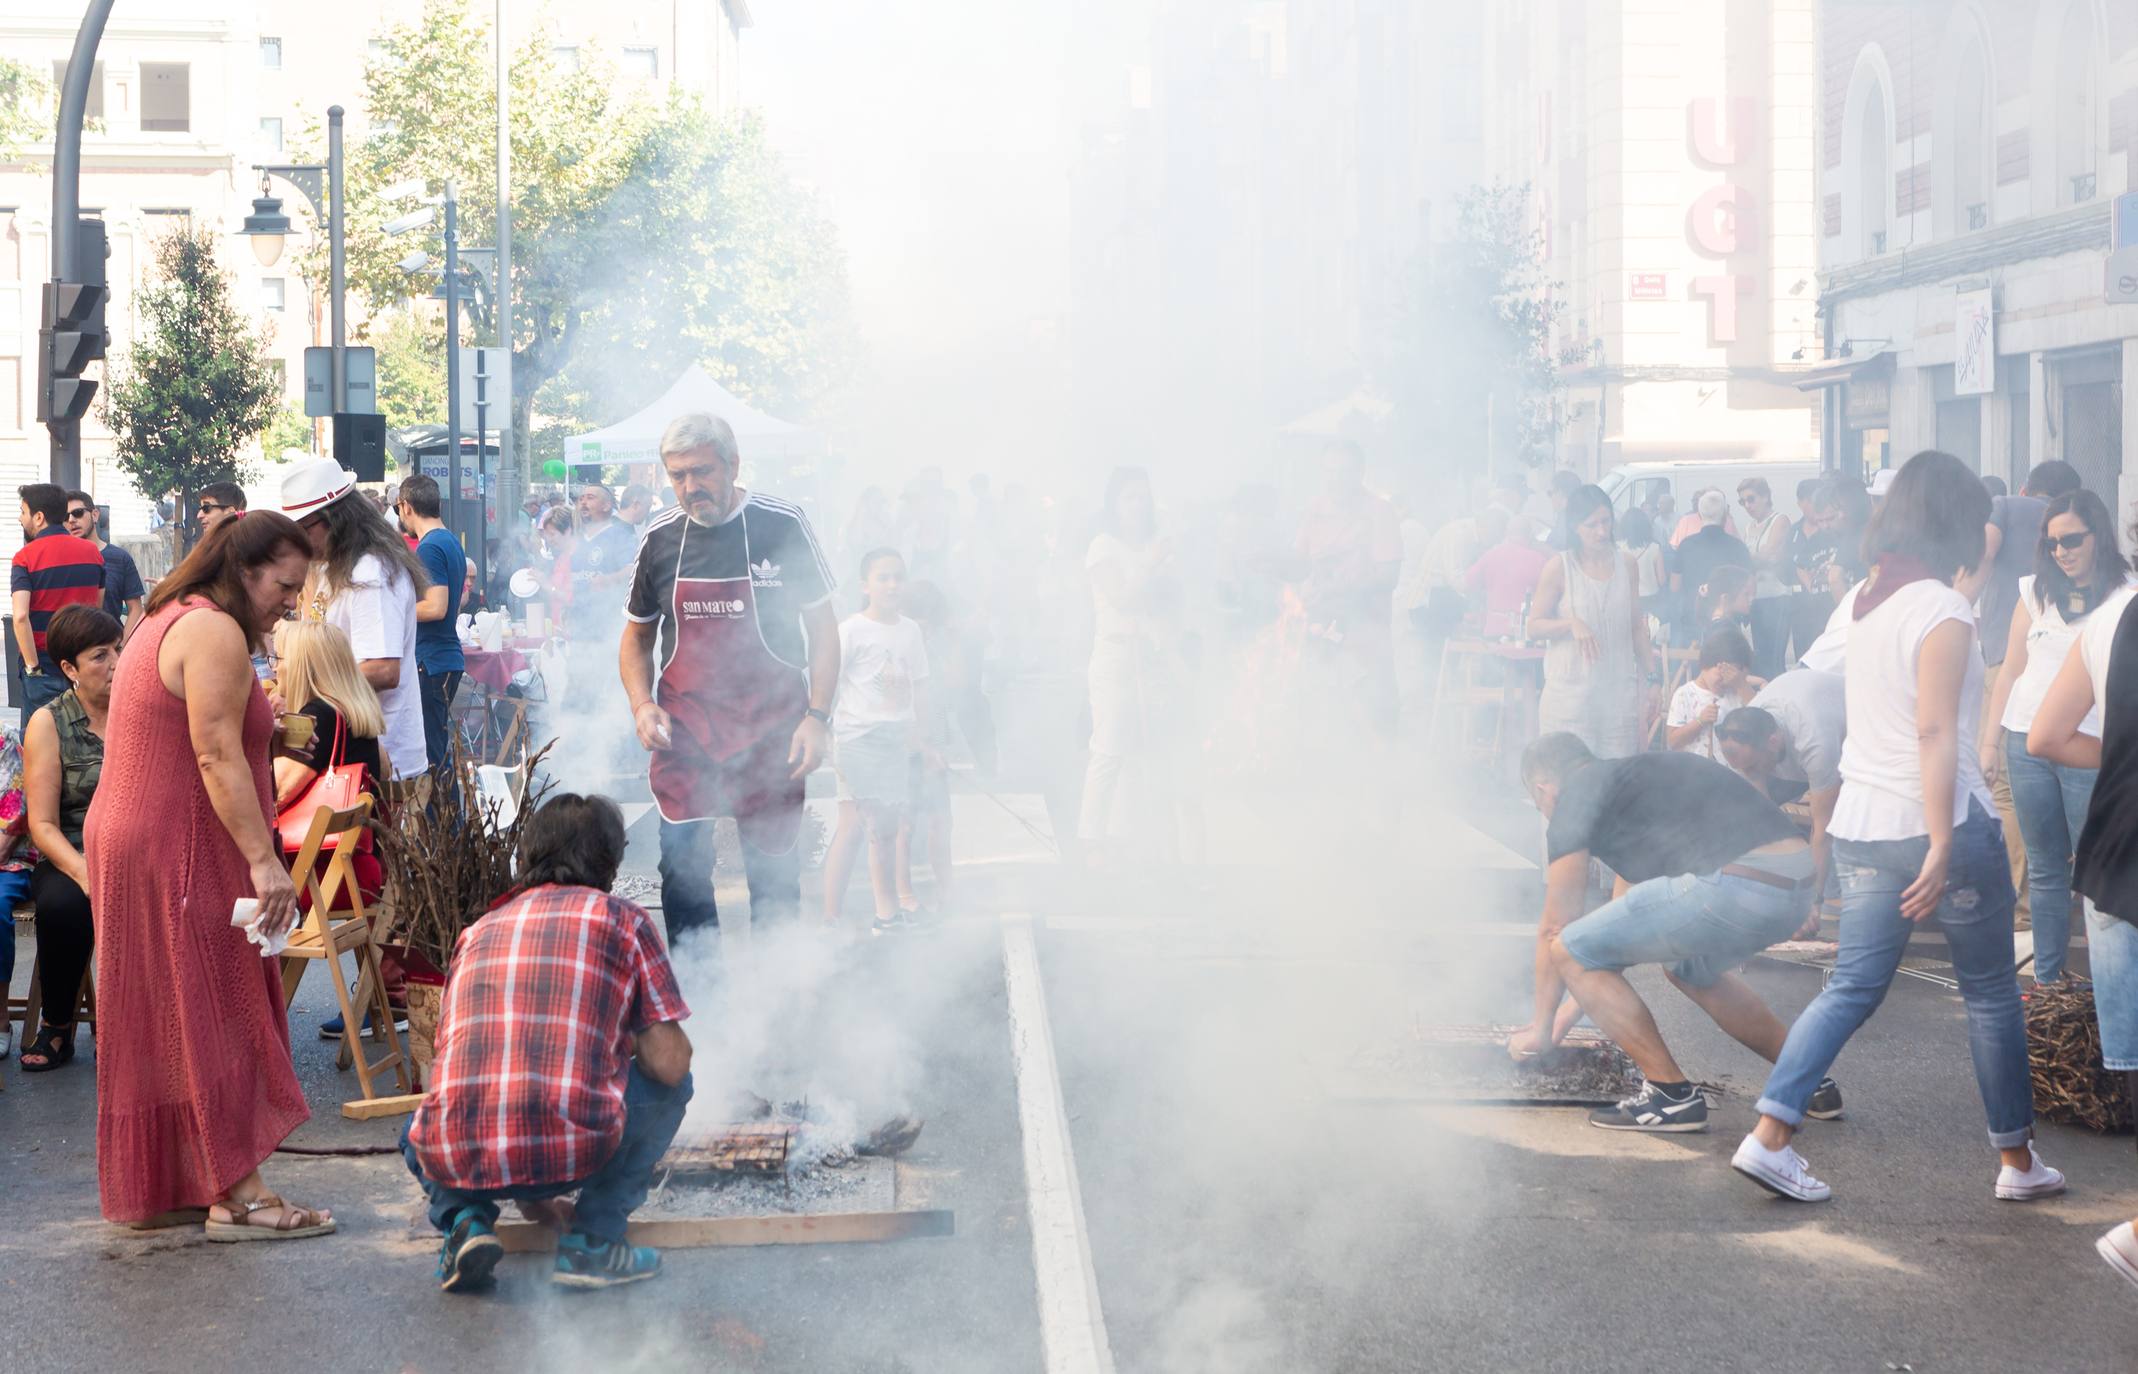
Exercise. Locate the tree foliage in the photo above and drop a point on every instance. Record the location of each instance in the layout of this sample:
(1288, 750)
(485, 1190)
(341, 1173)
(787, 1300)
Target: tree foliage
(196, 389)
(411, 367)
(1470, 363)
(27, 102)
(646, 232)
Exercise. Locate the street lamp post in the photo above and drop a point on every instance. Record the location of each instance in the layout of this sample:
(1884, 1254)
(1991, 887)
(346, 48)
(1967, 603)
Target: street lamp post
(452, 342)
(267, 226)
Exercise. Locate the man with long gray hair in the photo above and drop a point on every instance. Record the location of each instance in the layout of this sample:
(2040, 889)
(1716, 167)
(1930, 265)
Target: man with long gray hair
(733, 589)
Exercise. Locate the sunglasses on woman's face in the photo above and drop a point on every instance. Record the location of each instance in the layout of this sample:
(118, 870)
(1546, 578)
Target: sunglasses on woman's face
(2069, 543)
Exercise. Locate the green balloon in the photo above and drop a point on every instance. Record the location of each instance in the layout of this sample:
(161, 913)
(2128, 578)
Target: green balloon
(554, 468)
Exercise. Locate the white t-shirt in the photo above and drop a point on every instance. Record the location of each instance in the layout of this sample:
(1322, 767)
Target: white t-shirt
(2097, 636)
(1110, 619)
(1812, 709)
(378, 613)
(878, 667)
(1686, 706)
(2049, 641)
(1881, 760)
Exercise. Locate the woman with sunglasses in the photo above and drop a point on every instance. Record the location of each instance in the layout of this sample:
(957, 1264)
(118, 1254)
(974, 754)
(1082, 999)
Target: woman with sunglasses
(2079, 566)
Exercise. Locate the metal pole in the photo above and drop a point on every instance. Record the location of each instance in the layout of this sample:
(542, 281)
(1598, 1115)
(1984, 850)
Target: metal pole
(509, 484)
(452, 338)
(337, 312)
(67, 205)
(482, 473)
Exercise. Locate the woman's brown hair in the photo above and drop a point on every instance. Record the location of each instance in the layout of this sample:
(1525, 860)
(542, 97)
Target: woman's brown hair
(217, 566)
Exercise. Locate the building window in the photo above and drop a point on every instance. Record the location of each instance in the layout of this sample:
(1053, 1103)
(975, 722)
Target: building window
(95, 107)
(271, 293)
(643, 63)
(1873, 165)
(166, 98)
(271, 54)
(160, 221)
(377, 51)
(2077, 96)
(271, 135)
(1974, 141)
(279, 368)
(567, 57)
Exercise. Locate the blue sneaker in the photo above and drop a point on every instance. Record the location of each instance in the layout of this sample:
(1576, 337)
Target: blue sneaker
(469, 1255)
(584, 1262)
(333, 1029)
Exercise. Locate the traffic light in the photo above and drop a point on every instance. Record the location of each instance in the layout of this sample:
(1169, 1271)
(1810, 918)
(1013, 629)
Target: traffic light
(72, 336)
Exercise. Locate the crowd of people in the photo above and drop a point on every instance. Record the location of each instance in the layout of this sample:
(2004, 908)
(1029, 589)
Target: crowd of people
(1923, 673)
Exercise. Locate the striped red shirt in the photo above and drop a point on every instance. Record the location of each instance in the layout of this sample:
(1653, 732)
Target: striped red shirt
(546, 994)
(57, 570)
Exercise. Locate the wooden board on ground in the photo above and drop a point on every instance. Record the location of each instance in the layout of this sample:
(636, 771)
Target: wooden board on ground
(834, 1228)
(370, 1109)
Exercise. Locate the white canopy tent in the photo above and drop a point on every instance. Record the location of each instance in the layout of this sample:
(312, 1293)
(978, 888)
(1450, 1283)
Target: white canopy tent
(637, 439)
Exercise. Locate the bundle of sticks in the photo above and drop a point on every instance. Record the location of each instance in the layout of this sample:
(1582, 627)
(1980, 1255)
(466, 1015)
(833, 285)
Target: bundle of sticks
(2064, 1052)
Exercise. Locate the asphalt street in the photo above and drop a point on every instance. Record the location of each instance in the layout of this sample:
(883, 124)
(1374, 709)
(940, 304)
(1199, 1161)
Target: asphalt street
(1242, 1205)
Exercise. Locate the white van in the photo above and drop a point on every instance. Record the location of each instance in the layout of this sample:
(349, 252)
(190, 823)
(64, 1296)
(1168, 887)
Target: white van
(1638, 484)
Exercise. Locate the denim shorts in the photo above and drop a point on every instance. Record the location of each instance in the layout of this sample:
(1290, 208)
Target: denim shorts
(1701, 926)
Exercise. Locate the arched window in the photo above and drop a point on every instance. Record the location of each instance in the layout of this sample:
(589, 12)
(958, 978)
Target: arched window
(1874, 191)
(1973, 142)
(2077, 96)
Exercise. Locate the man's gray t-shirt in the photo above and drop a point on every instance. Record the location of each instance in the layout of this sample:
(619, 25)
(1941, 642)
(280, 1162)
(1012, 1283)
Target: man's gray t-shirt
(1812, 709)
(2019, 521)
(1662, 815)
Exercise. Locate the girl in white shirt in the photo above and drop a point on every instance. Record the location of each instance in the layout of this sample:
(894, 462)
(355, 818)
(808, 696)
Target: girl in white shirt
(1915, 831)
(883, 672)
(2079, 566)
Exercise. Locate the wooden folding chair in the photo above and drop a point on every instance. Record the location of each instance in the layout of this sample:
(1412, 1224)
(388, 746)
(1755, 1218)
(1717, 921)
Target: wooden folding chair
(31, 1004)
(1679, 665)
(335, 921)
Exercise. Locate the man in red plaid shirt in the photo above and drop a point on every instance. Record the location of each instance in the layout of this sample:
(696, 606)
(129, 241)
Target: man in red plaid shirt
(561, 1066)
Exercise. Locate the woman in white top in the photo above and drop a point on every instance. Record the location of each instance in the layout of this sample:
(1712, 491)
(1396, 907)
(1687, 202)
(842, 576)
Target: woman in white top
(1915, 831)
(2099, 682)
(1596, 649)
(1133, 682)
(2078, 567)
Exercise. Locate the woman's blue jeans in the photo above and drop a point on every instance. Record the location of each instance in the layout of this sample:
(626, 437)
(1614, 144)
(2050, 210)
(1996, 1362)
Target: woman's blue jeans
(2050, 802)
(1976, 914)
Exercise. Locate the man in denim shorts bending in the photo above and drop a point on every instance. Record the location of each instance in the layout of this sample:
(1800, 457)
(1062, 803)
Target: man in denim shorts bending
(1709, 874)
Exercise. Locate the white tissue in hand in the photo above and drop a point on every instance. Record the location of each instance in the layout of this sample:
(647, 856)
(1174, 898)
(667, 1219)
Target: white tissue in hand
(245, 914)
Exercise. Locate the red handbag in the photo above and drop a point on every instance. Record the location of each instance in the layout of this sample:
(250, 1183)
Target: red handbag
(338, 787)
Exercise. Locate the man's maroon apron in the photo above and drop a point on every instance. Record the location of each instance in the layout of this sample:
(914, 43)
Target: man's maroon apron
(736, 707)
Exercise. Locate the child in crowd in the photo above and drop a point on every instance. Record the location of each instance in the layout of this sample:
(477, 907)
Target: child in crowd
(1715, 691)
(883, 664)
(17, 857)
(1724, 599)
(927, 821)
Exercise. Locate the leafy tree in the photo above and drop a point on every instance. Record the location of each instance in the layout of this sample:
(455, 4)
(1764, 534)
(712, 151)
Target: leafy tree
(27, 102)
(196, 389)
(636, 222)
(1470, 358)
(292, 429)
(411, 371)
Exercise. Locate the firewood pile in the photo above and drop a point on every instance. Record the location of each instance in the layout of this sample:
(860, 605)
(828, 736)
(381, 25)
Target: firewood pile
(2064, 1053)
(447, 861)
(756, 1148)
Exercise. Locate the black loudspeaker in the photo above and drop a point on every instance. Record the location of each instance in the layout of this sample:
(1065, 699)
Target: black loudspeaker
(360, 445)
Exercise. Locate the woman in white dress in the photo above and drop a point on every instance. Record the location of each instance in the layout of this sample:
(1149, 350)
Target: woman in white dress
(1133, 678)
(1597, 653)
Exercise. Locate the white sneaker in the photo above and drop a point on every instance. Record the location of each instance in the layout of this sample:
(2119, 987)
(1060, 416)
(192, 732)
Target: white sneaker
(7, 1041)
(1781, 1172)
(2120, 1248)
(2024, 1185)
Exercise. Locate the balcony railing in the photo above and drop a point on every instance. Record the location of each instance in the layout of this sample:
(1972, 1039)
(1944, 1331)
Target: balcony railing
(1878, 242)
(1978, 216)
(2082, 188)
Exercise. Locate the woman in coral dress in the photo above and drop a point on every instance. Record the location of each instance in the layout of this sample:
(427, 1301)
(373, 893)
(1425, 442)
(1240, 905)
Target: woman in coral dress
(194, 1081)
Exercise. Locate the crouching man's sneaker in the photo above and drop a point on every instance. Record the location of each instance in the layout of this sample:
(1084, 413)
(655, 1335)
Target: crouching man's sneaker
(1654, 1110)
(584, 1262)
(2120, 1248)
(1781, 1172)
(469, 1255)
(2024, 1185)
(1825, 1104)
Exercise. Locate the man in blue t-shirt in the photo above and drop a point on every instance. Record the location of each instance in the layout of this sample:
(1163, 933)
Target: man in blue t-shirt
(438, 659)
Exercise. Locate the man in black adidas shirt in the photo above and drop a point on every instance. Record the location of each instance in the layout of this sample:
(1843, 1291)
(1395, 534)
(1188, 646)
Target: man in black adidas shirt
(1709, 874)
(733, 591)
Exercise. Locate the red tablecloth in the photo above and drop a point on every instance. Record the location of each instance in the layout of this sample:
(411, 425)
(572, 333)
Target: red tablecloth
(495, 670)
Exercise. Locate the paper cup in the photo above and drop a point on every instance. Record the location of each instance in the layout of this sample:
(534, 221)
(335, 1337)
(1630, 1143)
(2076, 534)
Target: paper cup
(297, 729)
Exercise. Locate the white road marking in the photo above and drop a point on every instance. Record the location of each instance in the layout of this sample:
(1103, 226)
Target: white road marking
(1072, 1327)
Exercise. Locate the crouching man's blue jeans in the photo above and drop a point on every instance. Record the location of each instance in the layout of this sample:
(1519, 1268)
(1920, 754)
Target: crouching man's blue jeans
(1976, 915)
(608, 1196)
